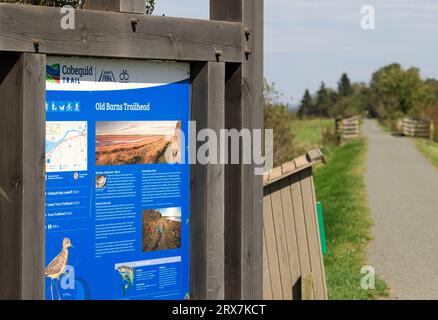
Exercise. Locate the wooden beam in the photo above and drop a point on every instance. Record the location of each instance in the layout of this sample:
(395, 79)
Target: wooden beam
(244, 103)
(26, 28)
(22, 183)
(127, 6)
(207, 187)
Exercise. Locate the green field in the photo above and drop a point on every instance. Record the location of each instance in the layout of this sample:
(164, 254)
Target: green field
(341, 189)
(309, 133)
(429, 149)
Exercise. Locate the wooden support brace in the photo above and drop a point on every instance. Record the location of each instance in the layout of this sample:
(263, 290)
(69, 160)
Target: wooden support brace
(244, 189)
(22, 183)
(207, 187)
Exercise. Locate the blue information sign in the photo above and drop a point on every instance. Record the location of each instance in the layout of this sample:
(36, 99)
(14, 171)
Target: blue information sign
(117, 179)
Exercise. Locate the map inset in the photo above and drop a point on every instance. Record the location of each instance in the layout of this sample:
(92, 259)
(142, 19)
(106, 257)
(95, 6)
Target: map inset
(66, 146)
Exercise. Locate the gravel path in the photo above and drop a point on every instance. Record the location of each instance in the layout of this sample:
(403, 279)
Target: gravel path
(403, 194)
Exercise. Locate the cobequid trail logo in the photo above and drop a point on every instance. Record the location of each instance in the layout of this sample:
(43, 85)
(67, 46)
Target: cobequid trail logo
(53, 73)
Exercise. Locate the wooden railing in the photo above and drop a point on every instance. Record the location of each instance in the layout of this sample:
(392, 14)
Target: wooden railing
(348, 128)
(417, 128)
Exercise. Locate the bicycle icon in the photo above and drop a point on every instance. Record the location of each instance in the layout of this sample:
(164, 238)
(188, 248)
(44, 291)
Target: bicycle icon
(124, 75)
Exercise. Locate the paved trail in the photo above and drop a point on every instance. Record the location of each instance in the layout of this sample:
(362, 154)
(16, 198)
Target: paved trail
(403, 193)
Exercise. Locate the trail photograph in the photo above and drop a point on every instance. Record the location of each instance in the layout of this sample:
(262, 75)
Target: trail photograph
(161, 229)
(136, 142)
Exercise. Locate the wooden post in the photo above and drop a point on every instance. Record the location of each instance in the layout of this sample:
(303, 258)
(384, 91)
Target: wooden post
(22, 183)
(432, 130)
(207, 253)
(244, 190)
(128, 6)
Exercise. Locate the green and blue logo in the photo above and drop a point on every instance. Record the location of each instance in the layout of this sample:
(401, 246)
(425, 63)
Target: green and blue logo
(53, 73)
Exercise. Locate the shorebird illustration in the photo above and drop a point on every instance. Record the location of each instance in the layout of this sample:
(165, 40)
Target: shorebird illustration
(127, 274)
(57, 266)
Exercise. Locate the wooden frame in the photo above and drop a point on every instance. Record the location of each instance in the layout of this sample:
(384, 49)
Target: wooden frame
(226, 57)
(107, 34)
(22, 183)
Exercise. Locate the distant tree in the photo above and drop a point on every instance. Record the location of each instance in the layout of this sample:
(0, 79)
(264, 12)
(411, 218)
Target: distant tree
(325, 100)
(306, 106)
(271, 95)
(278, 117)
(344, 86)
(356, 103)
(394, 92)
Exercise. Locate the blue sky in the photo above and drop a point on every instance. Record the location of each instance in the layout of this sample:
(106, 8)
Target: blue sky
(309, 41)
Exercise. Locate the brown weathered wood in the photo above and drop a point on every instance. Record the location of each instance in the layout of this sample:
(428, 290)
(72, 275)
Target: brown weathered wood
(233, 190)
(271, 249)
(131, 6)
(22, 183)
(280, 241)
(108, 34)
(291, 237)
(208, 187)
(307, 291)
(300, 224)
(321, 258)
(312, 229)
(267, 288)
(244, 101)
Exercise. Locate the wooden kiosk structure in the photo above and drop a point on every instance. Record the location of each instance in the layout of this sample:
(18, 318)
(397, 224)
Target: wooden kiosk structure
(226, 58)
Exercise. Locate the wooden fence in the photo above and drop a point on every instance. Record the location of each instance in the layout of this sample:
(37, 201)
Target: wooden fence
(293, 266)
(417, 128)
(348, 128)
(226, 61)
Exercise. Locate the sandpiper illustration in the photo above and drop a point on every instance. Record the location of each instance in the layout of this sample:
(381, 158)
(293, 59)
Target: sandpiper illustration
(57, 266)
(127, 274)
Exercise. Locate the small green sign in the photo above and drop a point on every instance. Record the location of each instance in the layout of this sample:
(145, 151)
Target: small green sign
(321, 227)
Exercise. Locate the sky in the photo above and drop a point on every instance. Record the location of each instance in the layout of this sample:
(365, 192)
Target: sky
(309, 41)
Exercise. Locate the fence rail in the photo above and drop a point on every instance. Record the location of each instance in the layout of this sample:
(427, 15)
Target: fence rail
(417, 128)
(292, 249)
(348, 128)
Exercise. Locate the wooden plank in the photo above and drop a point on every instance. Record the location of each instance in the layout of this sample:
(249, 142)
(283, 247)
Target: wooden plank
(307, 291)
(108, 34)
(252, 118)
(267, 288)
(245, 102)
(315, 251)
(280, 240)
(300, 224)
(233, 190)
(271, 247)
(34, 155)
(324, 283)
(11, 110)
(291, 236)
(131, 6)
(208, 187)
(22, 201)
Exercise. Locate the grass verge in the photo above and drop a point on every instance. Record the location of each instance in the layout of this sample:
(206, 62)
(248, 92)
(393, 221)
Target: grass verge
(429, 149)
(309, 133)
(340, 187)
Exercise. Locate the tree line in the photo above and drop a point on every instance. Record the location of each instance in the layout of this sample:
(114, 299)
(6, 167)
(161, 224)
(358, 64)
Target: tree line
(392, 93)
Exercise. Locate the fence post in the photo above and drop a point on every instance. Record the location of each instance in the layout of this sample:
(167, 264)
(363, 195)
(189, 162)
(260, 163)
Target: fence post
(127, 6)
(244, 190)
(432, 130)
(22, 183)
